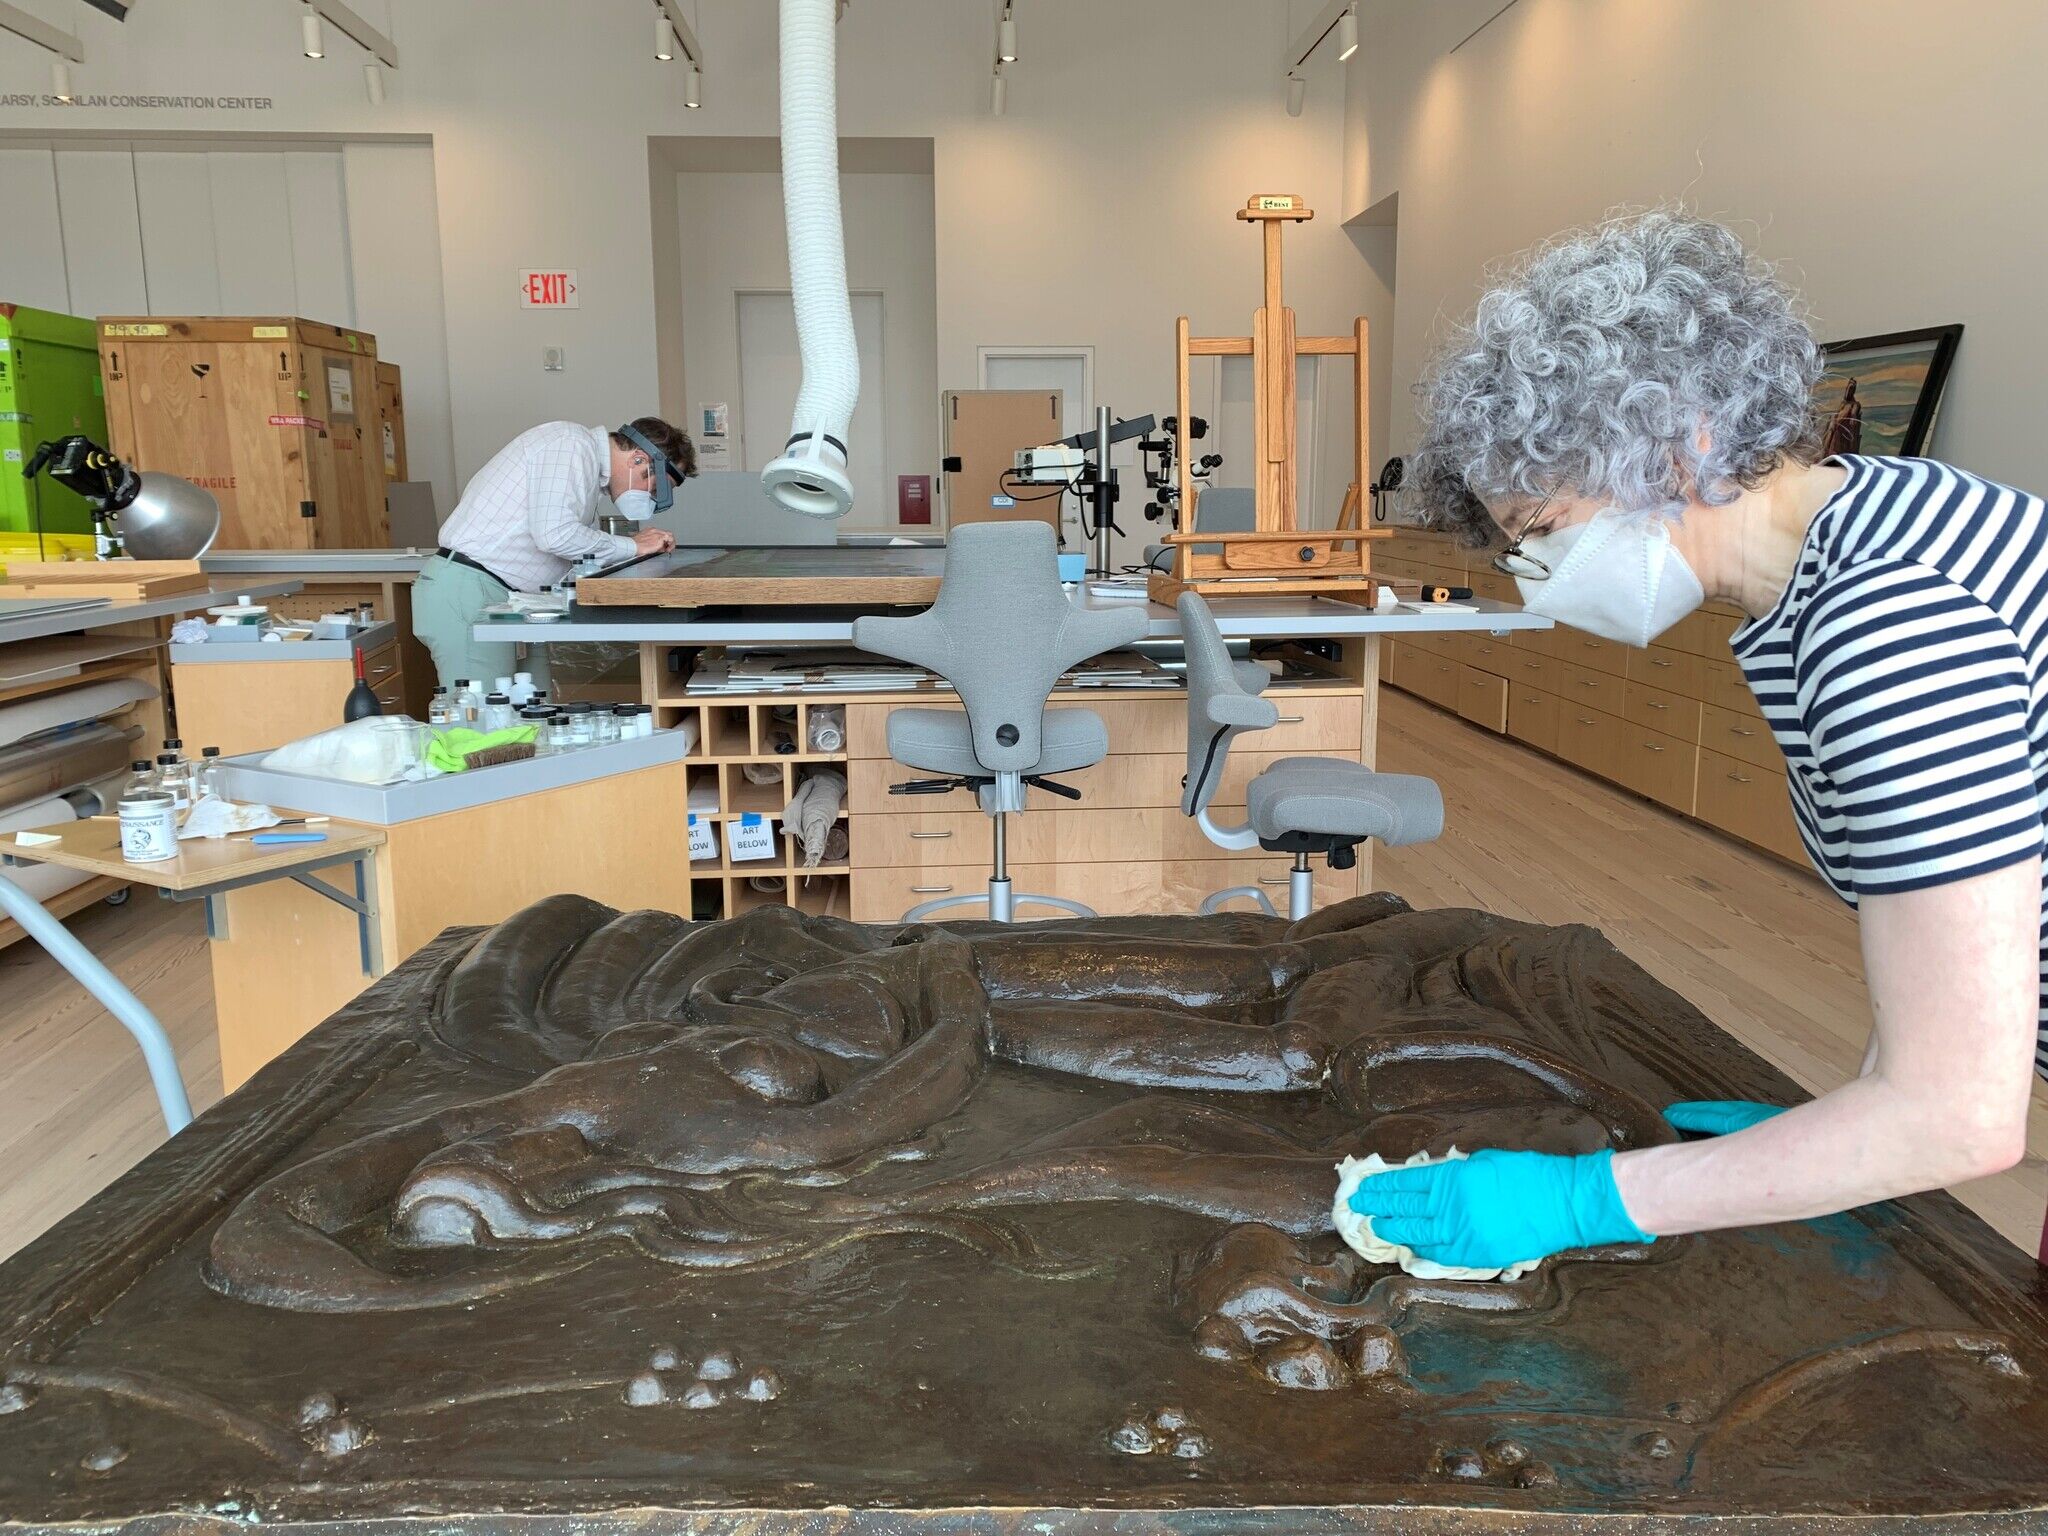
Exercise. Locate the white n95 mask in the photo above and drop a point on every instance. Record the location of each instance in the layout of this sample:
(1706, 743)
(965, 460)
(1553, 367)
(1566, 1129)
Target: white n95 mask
(637, 505)
(1616, 576)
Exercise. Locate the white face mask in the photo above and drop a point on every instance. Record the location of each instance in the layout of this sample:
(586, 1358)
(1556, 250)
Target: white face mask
(637, 505)
(1616, 576)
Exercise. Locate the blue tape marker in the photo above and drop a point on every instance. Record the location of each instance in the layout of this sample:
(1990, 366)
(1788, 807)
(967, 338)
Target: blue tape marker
(751, 819)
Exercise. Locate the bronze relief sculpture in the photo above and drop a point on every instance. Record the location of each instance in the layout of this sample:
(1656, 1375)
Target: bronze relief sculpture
(601, 1212)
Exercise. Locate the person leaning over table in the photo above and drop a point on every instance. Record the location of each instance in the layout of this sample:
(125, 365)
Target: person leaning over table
(1631, 409)
(527, 518)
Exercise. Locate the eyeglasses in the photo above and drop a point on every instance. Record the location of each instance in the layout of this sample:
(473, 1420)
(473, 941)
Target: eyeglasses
(1512, 561)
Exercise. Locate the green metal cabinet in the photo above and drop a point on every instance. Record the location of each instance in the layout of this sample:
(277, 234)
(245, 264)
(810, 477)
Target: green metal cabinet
(49, 387)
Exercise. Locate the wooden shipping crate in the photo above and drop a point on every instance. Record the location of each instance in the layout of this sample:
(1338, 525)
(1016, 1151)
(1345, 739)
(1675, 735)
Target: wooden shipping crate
(391, 417)
(278, 417)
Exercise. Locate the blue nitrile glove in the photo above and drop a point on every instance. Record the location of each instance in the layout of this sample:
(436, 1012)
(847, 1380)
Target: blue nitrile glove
(1495, 1208)
(1720, 1117)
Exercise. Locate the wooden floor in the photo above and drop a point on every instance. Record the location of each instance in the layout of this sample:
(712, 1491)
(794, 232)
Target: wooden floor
(1762, 949)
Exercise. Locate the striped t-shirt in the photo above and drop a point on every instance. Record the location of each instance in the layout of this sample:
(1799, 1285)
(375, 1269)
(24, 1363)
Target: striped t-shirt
(1904, 672)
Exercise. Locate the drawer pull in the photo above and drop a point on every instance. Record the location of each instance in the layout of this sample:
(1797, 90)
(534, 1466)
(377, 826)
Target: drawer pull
(384, 671)
(1741, 778)
(1290, 720)
(1273, 879)
(1737, 730)
(1651, 746)
(930, 890)
(1586, 720)
(1656, 663)
(1653, 704)
(922, 836)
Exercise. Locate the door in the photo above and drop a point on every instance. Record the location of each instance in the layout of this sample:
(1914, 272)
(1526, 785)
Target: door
(984, 428)
(772, 371)
(1068, 370)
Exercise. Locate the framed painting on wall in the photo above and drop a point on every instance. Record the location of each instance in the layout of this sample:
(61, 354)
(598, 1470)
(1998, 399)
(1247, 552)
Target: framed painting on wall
(1880, 394)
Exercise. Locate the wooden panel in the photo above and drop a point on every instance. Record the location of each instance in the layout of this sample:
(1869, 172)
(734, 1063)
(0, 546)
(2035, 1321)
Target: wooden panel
(481, 866)
(1437, 676)
(1532, 716)
(1743, 736)
(291, 958)
(1724, 687)
(1483, 698)
(800, 577)
(357, 517)
(1584, 688)
(1588, 738)
(933, 839)
(1704, 633)
(391, 421)
(95, 847)
(1673, 671)
(1749, 802)
(1659, 767)
(1534, 669)
(1490, 653)
(1591, 652)
(252, 706)
(1672, 713)
(984, 428)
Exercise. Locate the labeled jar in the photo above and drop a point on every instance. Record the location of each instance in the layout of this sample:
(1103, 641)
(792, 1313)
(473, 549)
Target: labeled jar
(149, 826)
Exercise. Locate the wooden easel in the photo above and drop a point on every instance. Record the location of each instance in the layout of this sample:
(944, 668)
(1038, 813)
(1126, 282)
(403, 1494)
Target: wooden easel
(1276, 557)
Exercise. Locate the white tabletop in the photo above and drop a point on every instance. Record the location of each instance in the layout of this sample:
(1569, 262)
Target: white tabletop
(1240, 618)
(36, 626)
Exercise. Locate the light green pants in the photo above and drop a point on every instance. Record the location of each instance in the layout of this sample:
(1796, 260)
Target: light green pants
(448, 601)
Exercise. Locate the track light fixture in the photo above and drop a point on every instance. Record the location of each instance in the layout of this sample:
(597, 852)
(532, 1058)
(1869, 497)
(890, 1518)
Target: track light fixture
(60, 80)
(1297, 94)
(1006, 38)
(664, 36)
(1347, 35)
(312, 39)
(693, 87)
(998, 94)
(373, 82)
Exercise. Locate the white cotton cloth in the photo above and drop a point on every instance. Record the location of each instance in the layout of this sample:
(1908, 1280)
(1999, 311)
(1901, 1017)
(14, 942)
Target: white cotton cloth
(1356, 1230)
(812, 811)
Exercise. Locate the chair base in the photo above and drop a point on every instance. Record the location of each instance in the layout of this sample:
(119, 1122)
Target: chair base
(1001, 902)
(1301, 894)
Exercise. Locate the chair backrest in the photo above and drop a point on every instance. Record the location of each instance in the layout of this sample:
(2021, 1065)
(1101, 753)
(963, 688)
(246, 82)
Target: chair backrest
(1002, 632)
(1219, 705)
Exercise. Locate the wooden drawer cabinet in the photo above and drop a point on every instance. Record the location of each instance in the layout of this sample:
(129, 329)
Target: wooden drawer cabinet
(1672, 713)
(1534, 669)
(1483, 698)
(1490, 653)
(1592, 653)
(1658, 767)
(1748, 802)
(1704, 633)
(1588, 738)
(1741, 736)
(1112, 784)
(1436, 679)
(1725, 687)
(1491, 583)
(1671, 670)
(933, 838)
(1532, 717)
(883, 895)
(1309, 722)
(1587, 689)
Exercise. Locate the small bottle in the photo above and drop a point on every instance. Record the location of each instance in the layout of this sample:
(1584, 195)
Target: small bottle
(538, 719)
(209, 785)
(522, 690)
(468, 702)
(581, 732)
(141, 777)
(441, 710)
(561, 736)
(361, 702)
(497, 713)
(173, 780)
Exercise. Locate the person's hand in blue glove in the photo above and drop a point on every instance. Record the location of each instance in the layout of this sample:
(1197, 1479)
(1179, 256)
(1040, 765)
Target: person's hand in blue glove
(1720, 1117)
(1495, 1208)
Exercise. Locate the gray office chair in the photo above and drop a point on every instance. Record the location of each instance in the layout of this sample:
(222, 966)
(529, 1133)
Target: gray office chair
(1299, 805)
(1002, 632)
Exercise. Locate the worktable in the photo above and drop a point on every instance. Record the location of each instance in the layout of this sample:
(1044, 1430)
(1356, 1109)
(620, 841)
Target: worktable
(204, 870)
(250, 696)
(333, 579)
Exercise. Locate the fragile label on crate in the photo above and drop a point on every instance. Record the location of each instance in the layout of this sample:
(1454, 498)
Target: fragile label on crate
(299, 421)
(270, 332)
(703, 841)
(135, 330)
(751, 837)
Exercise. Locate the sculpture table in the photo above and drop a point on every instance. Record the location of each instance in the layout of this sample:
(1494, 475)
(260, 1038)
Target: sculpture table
(600, 1221)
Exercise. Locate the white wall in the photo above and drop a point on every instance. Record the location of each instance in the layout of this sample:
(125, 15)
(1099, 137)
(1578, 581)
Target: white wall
(1094, 212)
(1886, 152)
(731, 241)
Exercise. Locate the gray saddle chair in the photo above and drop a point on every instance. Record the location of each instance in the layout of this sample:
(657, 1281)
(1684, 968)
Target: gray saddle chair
(1002, 632)
(1299, 805)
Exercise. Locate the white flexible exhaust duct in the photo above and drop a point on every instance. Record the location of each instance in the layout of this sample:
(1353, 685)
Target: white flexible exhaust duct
(811, 476)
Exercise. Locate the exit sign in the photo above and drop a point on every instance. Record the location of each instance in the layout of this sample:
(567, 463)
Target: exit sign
(548, 290)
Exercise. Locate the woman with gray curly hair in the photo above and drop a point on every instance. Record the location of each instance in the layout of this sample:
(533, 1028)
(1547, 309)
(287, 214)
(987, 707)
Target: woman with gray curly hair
(1630, 409)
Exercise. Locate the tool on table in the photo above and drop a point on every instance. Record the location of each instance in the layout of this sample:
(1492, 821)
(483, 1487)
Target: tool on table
(361, 702)
(1428, 592)
(289, 821)
(272, 839)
